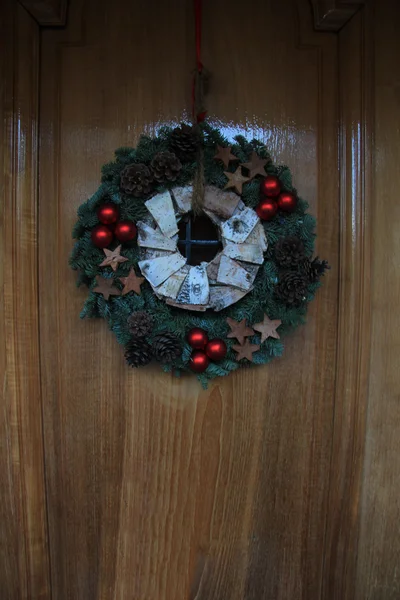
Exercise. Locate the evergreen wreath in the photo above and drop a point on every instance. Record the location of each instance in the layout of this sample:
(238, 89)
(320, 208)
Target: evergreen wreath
(214, 317)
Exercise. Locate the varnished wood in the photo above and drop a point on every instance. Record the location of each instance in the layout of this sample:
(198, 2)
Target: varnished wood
(332, 15)
(156, 488)
(24, 571)
(379, 542)
(47, 13)
(354, 326)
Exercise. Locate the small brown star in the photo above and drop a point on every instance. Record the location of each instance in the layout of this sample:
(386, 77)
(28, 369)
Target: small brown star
(255, 165)
(239, 330)
(236, 180)
(268, 328)
(113, 258)
(246, 350)
(225, 155)
(131, 283)
(105, 286)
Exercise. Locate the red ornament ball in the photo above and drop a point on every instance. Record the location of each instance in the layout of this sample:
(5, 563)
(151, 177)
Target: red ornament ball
(108, 213)
(271, 186)
(216, 349)
(267, 209)
(197, 338)
(101, 236)
(199, 361)
(125, 231)
(287, 202)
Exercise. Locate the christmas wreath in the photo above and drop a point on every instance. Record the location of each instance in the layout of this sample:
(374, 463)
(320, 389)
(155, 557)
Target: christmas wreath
(193, 297)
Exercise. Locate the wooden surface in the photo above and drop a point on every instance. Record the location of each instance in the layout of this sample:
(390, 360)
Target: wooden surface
(379, 543)
(333, 15)
(24, 571)
(49, 13)
(355, 146)
(281, 482)
(156, 489)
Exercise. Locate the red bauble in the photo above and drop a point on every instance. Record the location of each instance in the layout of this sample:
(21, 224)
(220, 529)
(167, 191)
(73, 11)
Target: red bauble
(199, 361)
(108, 213)
(287, 202)
(267, 209)
(125, 231)
(197, 338)
(270, 186)
(101, 236)
(216, 349)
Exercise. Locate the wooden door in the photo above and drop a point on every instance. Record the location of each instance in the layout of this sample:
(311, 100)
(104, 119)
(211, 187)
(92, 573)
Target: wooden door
(157, 489)
(150, 488)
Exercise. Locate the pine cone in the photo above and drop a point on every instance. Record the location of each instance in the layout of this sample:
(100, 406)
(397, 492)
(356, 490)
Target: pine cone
(166, 347)
(291, 288)
(184, 142)
(138, 353)
(136, 180)
(165, 165)
(289, 252)
(140, 324)
(315, 269)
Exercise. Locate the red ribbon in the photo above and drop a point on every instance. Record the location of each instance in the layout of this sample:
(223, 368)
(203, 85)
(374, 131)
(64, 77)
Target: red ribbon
(198, 5)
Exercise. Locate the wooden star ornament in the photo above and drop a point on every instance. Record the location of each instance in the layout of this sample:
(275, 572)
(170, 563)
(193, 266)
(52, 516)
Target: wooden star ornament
(132, 283)
(256, 165)
(236, 180)
(113, 258)
(246, 350)
(225, 155)
(105, 287)
(268, 328)
(239, 329)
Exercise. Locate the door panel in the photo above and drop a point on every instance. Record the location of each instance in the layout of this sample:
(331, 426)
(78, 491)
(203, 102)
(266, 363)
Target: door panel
(157, 489)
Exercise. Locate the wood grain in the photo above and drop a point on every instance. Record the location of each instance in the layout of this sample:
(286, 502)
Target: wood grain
(379, 543)
(333, 15)
(356, 135)
(24, 571)
(157, 489)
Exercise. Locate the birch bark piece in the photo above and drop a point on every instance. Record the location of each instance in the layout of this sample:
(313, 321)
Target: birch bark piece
(171, 286)
(195, 288)
(251, 269)
(251, 253)
(214, 218)
(222, 296)
(162, 209)
(199, 307)
(154, 238)
(183, 198)
(231, 273)
(212, 268)
(219, 202)
(157, 270)
(238, 228)
(257, 236)
(150, 253)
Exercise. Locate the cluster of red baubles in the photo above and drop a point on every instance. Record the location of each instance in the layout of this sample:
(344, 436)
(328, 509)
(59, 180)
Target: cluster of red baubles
(274, 199)
(204, 350)
(103, 235)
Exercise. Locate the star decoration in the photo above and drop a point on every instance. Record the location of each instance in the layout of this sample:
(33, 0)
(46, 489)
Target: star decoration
(225, 155)
(255, 165)
(246, 350)
(131, 283)
(239, 330)
(236, 180)
(113, 258)
(105, 286)
(268, 328)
